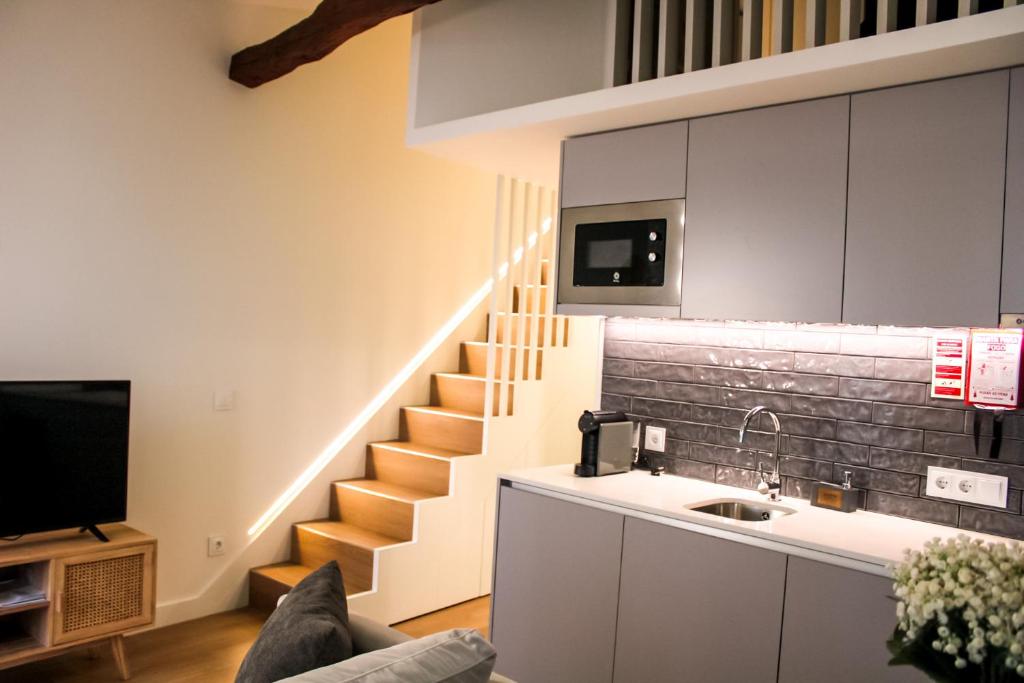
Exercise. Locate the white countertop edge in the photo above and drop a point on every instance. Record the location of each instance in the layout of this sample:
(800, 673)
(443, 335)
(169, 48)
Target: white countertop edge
(754, 537)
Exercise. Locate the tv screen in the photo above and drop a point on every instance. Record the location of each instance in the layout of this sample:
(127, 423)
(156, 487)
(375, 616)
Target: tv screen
(63, 455)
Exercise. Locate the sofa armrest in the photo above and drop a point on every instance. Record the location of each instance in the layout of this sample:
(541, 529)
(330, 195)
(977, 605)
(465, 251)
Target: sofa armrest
(369, 635)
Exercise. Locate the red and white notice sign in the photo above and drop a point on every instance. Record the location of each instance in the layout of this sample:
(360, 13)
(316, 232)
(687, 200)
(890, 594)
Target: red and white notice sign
(993, 376)
(949, 363)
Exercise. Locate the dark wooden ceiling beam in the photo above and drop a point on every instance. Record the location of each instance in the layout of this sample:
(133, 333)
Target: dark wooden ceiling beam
(318, 35)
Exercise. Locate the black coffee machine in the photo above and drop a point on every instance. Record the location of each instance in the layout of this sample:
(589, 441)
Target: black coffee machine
(607, 443)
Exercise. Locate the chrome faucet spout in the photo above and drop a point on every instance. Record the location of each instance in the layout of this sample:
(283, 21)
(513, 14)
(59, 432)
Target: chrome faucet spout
(770, 484)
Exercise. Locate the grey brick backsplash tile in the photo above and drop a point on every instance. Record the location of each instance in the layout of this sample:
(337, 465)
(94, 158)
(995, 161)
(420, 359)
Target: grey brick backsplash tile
(614, 402)
(675, 447)
(834, 451)
(878, 435)
(716, 415)
(734, 476)
(619, 329)
(903, 369)
(664, 371)
(794, 487)
(950, 403)
(802, 467)
(914, 508)
(618, 368)
(842, 366)
(920, 418)
(691, 393)
(666, 409)
(1013, 500)
(760, 441)
(633, 350)
(752, 359)
(672, 332)
(962, 445)
(990, 522)
(629, 386)
(691, 431)
(786, 340)
(878, 480)
(893, 330)
(908, 461)
(1015, 473)
(843, 328)
(882, 390)
(724, 455)
(728, 377)
(690, 468)
(841, 408)
(747, 398)
(887, 346)
(799, 383)
(799, 425)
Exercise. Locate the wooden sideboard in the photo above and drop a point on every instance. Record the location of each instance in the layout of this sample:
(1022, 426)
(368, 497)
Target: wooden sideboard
(92, 592)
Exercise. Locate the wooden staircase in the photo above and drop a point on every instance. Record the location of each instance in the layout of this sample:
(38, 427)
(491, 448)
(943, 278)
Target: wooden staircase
(370, 515)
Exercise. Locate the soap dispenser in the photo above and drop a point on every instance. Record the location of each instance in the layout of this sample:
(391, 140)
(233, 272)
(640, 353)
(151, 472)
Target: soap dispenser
(843, 498)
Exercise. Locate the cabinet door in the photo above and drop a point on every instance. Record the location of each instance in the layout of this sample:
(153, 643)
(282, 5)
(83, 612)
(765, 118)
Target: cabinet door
(634, 165)
(696, 608)
(1013, 247)
(556, 581)
(837, 621)
(925, 214)
(766, 213)
(103, 593)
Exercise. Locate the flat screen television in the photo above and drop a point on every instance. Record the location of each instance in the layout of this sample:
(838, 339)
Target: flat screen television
(63, 455)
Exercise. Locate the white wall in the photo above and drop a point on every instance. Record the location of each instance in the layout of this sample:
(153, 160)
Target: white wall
(162, 224)
(477, 56)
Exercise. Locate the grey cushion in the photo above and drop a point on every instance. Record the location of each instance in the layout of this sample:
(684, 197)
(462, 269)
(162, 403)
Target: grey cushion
(308, 631)
(456, 656)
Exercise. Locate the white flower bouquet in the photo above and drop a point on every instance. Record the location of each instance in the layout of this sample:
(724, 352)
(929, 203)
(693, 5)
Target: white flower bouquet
(961, 611)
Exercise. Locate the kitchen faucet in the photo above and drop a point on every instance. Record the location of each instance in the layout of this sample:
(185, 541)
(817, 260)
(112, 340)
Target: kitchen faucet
(769, 484)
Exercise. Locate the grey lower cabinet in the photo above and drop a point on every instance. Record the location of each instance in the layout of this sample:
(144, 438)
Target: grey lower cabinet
(1013, 245)
(836, 623)
(556, 587)
(925, 208)
(766, 213)
(696, 608)
(633, 165)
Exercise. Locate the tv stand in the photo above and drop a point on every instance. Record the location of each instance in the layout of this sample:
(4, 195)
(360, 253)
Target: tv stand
(95, 531)
(89, 593)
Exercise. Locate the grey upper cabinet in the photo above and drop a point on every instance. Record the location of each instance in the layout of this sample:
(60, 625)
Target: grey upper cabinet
(925, 211)
(837, 622)
(1013, 245)
(633, 165)
(696, 608)
(556, 586)
(766, 213)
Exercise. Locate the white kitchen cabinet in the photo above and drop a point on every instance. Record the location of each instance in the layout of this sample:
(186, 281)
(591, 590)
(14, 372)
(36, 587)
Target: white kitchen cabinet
(925, 208)
(836, 625)
(690, 603)
(766, 213)
(633, 165)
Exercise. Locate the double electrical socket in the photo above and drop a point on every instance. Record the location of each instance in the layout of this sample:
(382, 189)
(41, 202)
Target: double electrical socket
(967, 487)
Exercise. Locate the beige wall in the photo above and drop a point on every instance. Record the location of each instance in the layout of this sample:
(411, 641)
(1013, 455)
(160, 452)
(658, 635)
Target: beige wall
(162, 224)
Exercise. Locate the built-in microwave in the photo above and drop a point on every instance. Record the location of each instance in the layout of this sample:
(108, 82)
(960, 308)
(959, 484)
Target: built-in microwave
(620, 255)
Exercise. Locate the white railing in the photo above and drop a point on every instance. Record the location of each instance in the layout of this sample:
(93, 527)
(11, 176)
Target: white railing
(521, 323)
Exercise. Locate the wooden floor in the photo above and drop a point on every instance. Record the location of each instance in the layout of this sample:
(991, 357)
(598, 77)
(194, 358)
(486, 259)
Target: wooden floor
(206, 650)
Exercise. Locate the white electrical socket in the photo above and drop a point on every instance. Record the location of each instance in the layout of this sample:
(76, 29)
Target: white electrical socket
(224, 400)
(214, 546)
(654, 439)
(968, 487)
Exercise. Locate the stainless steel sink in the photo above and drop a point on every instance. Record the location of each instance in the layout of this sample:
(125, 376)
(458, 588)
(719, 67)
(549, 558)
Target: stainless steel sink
(743, 510)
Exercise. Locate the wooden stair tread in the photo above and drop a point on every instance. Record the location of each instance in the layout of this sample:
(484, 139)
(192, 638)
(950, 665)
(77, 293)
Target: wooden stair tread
(290, 574)
(449, 412)
(419, 449)
(349, 533)
(403, 493)
(525, 347)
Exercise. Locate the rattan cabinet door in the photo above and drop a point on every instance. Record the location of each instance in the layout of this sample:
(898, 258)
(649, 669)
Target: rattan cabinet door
(103, 593)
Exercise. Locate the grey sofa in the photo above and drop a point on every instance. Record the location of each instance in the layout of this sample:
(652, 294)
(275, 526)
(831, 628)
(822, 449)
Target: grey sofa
(367, 636)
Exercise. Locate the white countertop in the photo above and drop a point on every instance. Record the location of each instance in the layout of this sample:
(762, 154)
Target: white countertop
(866, 540)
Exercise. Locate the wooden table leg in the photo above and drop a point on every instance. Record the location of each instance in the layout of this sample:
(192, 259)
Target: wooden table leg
(120, 657)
